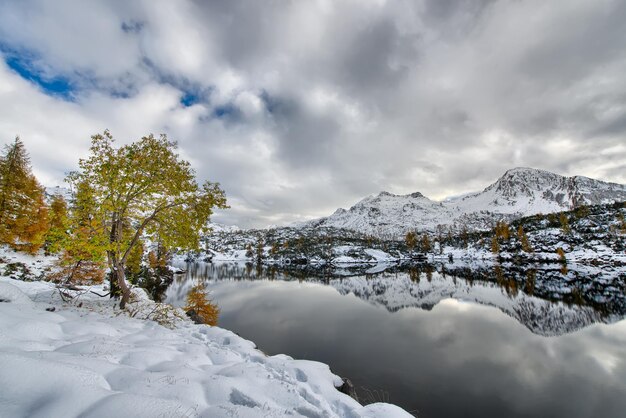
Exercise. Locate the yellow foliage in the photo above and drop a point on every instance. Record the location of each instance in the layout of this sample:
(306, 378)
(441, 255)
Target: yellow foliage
(23, 211)
(199, 302)
(426, 246)
(495, 246)
(563, 219)
(521, 235)
(410, 239)
(502, 230)
(75, 270)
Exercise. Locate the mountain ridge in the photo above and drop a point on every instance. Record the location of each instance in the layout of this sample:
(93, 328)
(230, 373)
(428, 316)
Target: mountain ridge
(520, 191)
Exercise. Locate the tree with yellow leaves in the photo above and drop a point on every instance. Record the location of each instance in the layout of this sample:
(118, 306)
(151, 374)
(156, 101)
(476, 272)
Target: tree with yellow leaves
(564, 220)
(23, 211)
(495, 245)
(425, 244)
(523, 238)
(57, 234)
(200, 308)
(410, 240)
(143, 189)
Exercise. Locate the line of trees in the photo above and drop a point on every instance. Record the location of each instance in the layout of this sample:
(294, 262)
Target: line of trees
(121, 197)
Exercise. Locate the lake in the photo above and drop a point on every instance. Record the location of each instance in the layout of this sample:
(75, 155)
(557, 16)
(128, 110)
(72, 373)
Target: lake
(513, 344)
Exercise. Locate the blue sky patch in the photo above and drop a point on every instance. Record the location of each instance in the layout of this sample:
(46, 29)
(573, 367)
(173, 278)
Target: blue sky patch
(25, 65)
(190, 98)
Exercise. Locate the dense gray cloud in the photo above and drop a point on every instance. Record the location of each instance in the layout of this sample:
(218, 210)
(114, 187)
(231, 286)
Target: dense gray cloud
(298, 107)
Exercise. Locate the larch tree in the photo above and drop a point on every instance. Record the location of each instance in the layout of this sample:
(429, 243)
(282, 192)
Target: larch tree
(523, 239)
(143, 189)
(200, 307)
(23, 210)
(564, 220)
(425, 244)
(410, 239)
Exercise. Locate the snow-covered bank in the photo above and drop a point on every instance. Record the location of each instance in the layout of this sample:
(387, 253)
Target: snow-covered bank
(61, 360)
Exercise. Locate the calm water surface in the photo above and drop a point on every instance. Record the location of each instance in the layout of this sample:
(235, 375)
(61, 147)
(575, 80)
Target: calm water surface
(443, 347)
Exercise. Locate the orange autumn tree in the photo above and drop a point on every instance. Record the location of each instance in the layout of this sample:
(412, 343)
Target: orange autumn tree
(23, 210)
(199, 305)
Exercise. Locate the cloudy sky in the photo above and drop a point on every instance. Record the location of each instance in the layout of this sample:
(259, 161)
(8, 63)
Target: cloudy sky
(300, 107)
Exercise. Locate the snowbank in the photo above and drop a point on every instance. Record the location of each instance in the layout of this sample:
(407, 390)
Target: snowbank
(61, 360)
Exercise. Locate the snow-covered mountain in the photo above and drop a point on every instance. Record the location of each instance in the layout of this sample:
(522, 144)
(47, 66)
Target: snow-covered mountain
(540, 316)
(519, 192)
(65, 192)
(217, 227)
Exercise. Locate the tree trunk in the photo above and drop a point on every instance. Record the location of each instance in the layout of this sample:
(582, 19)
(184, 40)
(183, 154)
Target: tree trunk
(115, 289)
(117, 279)
(123, 286)
(115, 262)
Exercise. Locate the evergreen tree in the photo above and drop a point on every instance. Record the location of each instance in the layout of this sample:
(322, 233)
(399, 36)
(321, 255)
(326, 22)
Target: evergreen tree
(139, 189)
(23, 211)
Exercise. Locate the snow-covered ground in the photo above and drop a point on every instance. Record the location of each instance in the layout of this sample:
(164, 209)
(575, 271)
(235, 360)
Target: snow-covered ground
(83, 357)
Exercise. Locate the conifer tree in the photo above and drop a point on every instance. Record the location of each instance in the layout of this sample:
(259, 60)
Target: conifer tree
(23, 211)
(502, 230)
(410, 240)
(495, 245)
(564, 220)
(143, 188)
(200, 307)
(249, 252)
(523, 238)
(425, 243)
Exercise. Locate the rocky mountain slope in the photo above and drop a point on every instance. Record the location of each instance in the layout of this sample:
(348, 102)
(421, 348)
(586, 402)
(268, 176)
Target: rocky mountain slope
(593, 235)
(540, 316)
(519, 192)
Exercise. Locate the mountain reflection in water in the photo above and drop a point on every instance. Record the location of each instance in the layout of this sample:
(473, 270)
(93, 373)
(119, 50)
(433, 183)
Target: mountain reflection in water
(437, 344)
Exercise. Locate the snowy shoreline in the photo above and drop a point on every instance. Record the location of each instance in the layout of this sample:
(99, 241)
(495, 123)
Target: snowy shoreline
(86, 358)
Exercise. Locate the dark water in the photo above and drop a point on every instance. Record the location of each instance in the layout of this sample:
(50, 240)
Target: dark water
(435, 344)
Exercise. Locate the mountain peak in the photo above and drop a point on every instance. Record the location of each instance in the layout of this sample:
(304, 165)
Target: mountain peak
(388, 194)
(521, 191)
(527, 171)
